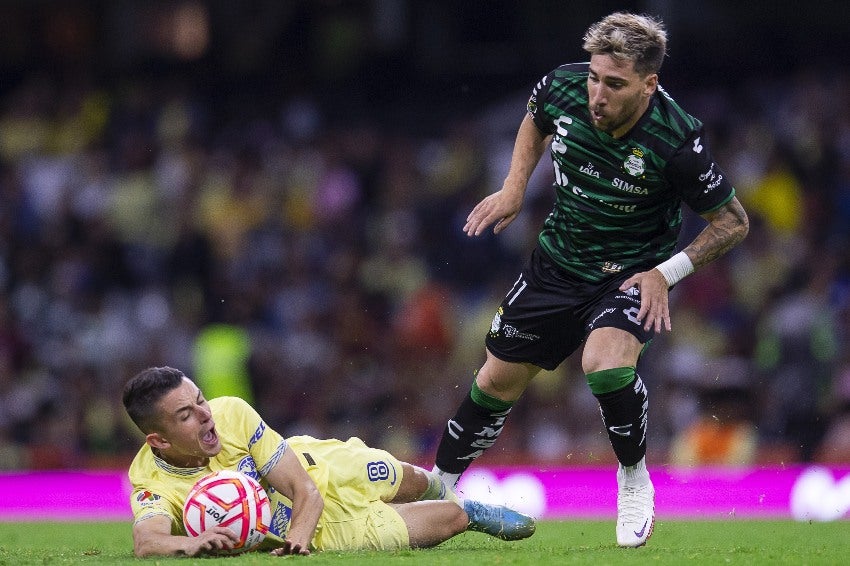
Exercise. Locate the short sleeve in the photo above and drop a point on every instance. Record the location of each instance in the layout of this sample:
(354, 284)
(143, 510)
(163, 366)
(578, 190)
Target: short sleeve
(695, 175)
(536, 105)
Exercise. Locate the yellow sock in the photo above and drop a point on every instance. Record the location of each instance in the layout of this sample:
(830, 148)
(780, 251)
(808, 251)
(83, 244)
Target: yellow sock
(437, 489)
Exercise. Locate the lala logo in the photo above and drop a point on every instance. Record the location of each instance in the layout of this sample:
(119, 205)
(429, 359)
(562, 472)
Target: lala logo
(589, 170)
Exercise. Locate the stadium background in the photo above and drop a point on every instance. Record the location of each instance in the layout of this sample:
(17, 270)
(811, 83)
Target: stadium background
(273, 192)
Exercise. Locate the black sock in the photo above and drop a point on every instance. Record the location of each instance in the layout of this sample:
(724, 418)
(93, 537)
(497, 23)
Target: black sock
(624, 415)
(468, 434)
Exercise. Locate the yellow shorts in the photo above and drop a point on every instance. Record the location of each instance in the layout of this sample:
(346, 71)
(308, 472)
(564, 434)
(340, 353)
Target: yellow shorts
(360, 480)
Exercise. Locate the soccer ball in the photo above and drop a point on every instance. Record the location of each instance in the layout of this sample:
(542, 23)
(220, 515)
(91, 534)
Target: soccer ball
(229, 499)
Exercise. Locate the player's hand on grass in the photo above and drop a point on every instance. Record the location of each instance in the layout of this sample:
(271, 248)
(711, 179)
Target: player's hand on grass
(654, 295)
(290, 547)
(211, 540)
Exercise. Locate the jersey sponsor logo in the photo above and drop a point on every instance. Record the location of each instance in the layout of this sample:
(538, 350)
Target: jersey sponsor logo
(589, 170)
(708, 174)
(711, 179)
(618, 183)
(621, 207)
(258, 434)
(611, 267)
(280, 520)
(532, 104)
(146, 496)
(714, 184)
(634, 163)
(514, 332)
(629, 297)
(592, 324)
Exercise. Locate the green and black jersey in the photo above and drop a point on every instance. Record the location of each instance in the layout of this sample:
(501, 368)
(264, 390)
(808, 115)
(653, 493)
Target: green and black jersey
(618, 205)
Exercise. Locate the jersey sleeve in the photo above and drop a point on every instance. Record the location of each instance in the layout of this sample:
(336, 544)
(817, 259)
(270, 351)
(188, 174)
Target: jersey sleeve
(265, 444)
(694, 174)
(536, 105)
(146, 503)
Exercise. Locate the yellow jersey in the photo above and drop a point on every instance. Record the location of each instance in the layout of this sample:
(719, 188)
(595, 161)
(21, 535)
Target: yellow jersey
(356, 515)
(247, 445)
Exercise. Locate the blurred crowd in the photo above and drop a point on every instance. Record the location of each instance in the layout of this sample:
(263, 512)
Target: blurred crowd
(319, 269)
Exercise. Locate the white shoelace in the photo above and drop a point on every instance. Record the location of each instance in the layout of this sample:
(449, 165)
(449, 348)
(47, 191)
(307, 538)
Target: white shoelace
(635, 504)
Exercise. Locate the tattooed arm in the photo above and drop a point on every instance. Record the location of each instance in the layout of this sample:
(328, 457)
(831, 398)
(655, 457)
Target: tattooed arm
(727, 226)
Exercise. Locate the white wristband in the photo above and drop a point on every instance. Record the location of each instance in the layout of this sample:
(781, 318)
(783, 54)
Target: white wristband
(676, 268)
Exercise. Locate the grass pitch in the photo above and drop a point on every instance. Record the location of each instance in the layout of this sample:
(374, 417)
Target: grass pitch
(674, 542)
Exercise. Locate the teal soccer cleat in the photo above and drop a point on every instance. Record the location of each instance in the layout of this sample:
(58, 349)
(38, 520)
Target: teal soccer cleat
(498, 521)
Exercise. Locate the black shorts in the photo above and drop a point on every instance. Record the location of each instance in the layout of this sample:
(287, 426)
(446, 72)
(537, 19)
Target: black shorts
(548, 313)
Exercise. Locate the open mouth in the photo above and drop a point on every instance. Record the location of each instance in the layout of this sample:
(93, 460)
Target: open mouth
(210, 438)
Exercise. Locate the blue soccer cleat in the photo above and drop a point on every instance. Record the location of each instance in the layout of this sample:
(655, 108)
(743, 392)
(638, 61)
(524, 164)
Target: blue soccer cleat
(498, 521)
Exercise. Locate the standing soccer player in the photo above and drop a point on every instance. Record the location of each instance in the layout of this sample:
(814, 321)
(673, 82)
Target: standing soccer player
(626, 156)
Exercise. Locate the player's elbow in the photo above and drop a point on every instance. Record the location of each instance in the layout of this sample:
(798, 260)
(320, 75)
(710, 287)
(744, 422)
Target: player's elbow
(743, 227)
(142, 550)
(742, 221)
(317, 501)
(145, 547)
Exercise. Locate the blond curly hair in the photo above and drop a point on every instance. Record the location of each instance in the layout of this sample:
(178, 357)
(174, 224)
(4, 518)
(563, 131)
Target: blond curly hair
(629, 37)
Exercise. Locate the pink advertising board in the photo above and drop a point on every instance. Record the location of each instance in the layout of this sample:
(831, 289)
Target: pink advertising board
(799, 492)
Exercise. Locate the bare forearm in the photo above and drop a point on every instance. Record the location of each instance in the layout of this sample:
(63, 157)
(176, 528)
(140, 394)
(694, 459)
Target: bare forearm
(528, 149)
(153, 537)
(162, 545)
(726, 228)
(306, 511)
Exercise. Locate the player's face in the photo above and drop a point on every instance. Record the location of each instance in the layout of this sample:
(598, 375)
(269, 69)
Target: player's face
(188, 436)
(617, 95)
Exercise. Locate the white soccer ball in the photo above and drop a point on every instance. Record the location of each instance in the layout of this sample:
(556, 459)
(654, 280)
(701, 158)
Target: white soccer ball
(229, 499)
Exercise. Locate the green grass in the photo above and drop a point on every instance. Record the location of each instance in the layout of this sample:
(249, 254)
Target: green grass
(568, 542)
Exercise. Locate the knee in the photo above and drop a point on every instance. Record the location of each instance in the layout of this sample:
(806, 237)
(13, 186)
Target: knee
(609, 380)
(458, 522)
(504, 380)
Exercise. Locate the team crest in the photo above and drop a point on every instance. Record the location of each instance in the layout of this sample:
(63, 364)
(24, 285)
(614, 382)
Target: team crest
(497, 322)
(248, 467)
(634, 163)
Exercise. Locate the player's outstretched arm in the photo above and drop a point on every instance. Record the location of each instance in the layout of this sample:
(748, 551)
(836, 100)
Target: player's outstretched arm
(503, 206)
(152, 537)
(290, 478)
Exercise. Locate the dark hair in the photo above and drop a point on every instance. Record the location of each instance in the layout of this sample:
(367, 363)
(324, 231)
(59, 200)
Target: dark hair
(143, 392)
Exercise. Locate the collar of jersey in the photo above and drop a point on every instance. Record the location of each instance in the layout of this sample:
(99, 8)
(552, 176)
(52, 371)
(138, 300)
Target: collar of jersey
(176, 470)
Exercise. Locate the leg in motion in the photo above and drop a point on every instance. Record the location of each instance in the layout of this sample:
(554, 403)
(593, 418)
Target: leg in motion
(498, 521)
(624, 413)
(481, 415)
